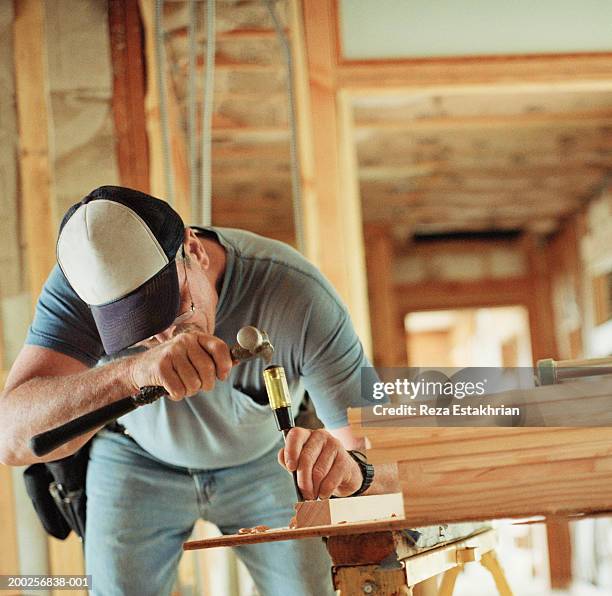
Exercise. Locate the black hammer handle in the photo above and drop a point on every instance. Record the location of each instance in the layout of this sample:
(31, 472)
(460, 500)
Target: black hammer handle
(46, 442)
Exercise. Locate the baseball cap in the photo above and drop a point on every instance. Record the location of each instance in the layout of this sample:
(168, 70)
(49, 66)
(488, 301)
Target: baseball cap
(117, 249)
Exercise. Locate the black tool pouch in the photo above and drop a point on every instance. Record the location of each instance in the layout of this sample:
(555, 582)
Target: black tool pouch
(57, 490)
(37, 479)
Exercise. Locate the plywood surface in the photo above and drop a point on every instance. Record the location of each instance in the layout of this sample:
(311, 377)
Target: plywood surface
(279, 534)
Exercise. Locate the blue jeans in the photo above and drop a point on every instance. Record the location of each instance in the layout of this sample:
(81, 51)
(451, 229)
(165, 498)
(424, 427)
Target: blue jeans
(140, 511)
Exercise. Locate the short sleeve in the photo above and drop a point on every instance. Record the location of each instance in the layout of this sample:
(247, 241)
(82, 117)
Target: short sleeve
(333, 362)
(63, 322)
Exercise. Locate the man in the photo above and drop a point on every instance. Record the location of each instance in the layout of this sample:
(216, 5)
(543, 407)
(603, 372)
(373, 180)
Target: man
(130, 275)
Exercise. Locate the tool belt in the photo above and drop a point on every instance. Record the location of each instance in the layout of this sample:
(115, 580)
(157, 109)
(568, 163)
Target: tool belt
(57, 491)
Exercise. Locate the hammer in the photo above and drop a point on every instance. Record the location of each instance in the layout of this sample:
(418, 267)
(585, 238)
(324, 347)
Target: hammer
(250, 343)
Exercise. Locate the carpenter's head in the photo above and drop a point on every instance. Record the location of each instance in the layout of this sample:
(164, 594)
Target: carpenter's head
(130, 258)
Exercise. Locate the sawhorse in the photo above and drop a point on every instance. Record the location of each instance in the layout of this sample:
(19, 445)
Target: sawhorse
(383, 564)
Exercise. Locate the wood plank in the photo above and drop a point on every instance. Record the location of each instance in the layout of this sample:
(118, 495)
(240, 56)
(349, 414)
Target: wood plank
(35, 159)
(280, 534)
(518, 457)
(566, 72)
(540, 306)
(336, 212)
(9, 554)
(452, 171)
(157, 182)
(559, 553)
(66, 558)
(549, 120)
(551, 443)
(237, 35)
(438, 560)
(127, 55)
(388, 335)
(566, 271)
(37, 192)
(441, 295)
(544, 488)
(348, 509)
(178, 151)
(460, 474)
(584, 405)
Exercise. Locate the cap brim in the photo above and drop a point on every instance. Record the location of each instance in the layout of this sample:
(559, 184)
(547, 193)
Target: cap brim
(148, 310)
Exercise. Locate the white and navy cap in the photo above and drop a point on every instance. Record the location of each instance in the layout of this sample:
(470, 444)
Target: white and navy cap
(117, 248)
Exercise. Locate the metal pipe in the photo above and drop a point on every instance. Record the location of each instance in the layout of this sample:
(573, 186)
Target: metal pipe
(554, 371)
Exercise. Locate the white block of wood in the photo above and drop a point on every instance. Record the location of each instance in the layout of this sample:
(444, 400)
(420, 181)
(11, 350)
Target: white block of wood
(349, 509)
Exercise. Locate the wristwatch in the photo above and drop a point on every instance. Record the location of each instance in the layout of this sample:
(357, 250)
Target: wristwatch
(367, 470)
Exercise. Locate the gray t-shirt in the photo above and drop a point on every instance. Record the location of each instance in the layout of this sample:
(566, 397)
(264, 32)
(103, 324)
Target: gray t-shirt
(266, 284)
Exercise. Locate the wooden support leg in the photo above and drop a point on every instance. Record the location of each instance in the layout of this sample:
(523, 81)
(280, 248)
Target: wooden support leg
(369, 564)
(448, 581)
(370, 579)
(491, 563)
(429, 587)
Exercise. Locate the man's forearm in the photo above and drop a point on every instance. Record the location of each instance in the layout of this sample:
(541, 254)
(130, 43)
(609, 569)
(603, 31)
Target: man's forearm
(42, 403)
(386, 478)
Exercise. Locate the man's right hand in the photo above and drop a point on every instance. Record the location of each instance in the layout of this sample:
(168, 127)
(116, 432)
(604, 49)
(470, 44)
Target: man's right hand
(191, 361)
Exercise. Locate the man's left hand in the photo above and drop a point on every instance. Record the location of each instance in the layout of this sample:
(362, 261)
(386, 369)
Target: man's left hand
(324, 467)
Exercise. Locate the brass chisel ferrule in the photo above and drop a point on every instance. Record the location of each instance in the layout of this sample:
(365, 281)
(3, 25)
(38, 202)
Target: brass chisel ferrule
(276, 387)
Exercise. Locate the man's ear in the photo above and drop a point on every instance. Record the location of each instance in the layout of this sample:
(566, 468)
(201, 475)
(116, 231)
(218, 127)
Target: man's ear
(195, 250)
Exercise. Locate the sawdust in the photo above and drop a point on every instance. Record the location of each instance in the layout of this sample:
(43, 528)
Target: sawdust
(255, 530)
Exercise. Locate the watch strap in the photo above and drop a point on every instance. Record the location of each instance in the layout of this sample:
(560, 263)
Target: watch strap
(367, 470)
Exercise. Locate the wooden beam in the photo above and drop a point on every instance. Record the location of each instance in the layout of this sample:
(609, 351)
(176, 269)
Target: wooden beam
(370, 175)
(333, 229)
(37, 204)
(9, 557)
(441, 295)
(157, 182)
(462, 246)
(276, 133)
(127, 54)
(567, 277)
(388, 335)
(232, 34)
(36, 172)
(540, 306)
(66, 558)
(536, 469)
(567, 72)
(559, 553)
(585, 119)
(178, 152)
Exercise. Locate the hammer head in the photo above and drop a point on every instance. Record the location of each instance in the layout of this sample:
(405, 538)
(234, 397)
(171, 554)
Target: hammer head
(252, 343)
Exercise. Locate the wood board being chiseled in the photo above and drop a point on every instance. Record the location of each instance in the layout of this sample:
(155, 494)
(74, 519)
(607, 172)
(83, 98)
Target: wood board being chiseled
(349, 509)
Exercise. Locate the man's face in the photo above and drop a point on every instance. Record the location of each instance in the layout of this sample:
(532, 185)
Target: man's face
(198, 304)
